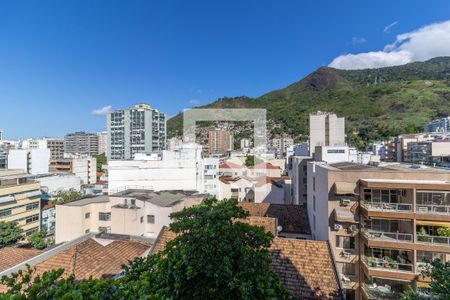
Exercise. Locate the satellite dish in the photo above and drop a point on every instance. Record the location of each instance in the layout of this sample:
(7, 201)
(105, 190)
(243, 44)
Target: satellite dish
(279, 228)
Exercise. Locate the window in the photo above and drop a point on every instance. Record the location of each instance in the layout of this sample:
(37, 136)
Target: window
(32, 206)
(151, 219)
(87, 215)
(86, 231)
(133, 202)
(142, 219)
(31, 231)
(314, 203)
(345, 242)
(106, 229)
(32, 219)
(103, 216)
(314, 183)
(5, 212)
(314, 222)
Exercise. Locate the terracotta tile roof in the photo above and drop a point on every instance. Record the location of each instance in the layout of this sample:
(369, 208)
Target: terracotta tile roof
(305, 267)
(292, 218)
(11, 256)
(265, 166)
(90, 258)
(230, 165)
(164, 236)
(269, 224)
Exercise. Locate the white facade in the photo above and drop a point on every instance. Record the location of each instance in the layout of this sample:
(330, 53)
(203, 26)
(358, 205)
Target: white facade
(86, 169)
(102, 142)
(53, 183)
(32, 161)
(182, 169)
(325, 129)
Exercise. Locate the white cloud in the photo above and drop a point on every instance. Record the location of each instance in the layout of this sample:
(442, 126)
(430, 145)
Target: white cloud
(387, 28)
(194, 102)
(102, 111)
(427, 42)
(358, 40)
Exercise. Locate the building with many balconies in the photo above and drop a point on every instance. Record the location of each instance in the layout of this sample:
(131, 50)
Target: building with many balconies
(384, 222)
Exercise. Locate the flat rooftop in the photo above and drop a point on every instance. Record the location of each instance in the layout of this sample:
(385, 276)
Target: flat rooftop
(159, 198)
(87, 201)
(384, 166)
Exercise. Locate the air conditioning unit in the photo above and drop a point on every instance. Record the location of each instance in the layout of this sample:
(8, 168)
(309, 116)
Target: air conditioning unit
(345, 202)
(337, 226)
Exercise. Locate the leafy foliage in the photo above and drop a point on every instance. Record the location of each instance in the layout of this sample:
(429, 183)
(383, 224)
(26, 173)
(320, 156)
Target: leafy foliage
(214, 256)
(10, 233)
(251, 160)
(377, 103)
(67, 196)
(101, 160)
(38, 239)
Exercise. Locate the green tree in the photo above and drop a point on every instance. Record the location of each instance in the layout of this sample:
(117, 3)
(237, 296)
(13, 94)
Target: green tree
(38, 239)
(439, 272)
(10, 233)
(214, 256)
(101, 160)
(251, 160)
(67, 196)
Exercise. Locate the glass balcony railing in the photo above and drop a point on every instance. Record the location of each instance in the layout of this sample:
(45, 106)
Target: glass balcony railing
(432, 209)
(387, 264)
(388, 236)
(381, 206)
(433, 239)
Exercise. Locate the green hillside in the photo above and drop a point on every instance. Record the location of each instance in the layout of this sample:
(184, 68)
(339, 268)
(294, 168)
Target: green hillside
(377, 103)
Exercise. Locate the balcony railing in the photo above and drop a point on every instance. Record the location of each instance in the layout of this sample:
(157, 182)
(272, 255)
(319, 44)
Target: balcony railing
(387, 264)
(388, 236)
(420, 267)
(379, 292)
(432, 209)
(433, 239)
(380, 206)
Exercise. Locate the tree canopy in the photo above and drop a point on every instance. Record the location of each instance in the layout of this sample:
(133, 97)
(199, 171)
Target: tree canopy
(10, 233)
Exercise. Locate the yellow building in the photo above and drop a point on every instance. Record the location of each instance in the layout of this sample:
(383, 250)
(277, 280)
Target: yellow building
(19, 200)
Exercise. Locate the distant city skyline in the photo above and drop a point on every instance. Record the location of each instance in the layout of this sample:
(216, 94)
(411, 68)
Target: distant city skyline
(65, 65)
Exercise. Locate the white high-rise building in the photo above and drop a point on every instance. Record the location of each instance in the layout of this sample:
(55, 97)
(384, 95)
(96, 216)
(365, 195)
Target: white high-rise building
(325, 129)
(102, 142)
(140, 129)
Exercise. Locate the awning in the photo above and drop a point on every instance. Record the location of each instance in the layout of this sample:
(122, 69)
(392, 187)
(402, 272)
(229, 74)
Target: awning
(33, 193)
(6, 199)
(344, 188)
(432, 223)
(423, 284)
(343, 215)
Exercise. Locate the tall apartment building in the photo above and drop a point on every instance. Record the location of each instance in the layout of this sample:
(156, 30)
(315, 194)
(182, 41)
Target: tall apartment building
(382, 223)
(56, 147)
(1, 135)
(281, 145)
(139, 129)
(19, 200)
(325, 129)
(438, 125)
(102, 142)
(81, 143)
(220, 141)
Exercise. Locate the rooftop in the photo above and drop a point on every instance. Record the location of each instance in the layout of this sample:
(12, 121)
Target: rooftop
(383, 167)
(160, 198)
(87, 201)
(305, 267)
(11, 256)
(292, 218)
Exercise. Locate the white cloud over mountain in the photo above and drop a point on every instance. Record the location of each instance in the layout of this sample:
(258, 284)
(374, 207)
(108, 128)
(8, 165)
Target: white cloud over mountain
(422, 44)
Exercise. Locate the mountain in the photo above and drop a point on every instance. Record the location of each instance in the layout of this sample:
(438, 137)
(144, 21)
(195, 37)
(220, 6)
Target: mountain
(377, 103)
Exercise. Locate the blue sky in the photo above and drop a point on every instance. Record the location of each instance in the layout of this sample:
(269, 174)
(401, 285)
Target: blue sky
(60, 60)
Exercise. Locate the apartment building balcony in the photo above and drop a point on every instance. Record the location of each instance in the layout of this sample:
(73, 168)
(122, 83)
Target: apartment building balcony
(432, 233)
(433, 202)
(387, 206)
(381, 290)
(383, 236)
(387, 263)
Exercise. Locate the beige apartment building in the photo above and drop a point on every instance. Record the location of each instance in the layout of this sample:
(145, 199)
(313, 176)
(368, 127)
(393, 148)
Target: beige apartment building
(383, 223)
(220, 141)
(131, 211)
(19, 200)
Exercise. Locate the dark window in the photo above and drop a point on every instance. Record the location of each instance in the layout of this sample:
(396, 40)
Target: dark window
(102, 216)
(151, 219)
(87, 215)
(31, 219)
